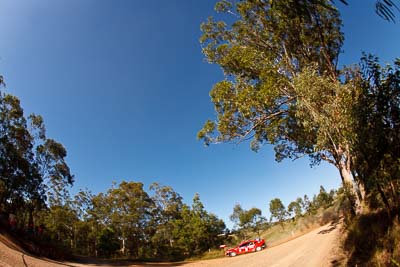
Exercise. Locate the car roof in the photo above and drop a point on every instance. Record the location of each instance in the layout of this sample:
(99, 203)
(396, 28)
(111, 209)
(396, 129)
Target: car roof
(250, 240)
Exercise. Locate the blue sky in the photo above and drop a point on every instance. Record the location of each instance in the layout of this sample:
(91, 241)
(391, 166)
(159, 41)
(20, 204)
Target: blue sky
(123, 85)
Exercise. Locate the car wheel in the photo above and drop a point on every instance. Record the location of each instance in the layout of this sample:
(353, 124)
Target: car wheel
(258, 248)
(233, 254)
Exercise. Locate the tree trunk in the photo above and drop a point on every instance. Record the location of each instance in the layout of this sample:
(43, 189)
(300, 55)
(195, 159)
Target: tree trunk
(75, 237)
(359, 184)
(384, 198)
(348, 181)
(123, 246)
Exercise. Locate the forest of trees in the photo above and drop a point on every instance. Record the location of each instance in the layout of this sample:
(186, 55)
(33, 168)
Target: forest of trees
(126, 220)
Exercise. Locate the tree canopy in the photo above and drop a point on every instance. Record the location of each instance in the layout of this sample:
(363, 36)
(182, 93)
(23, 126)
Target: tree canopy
(278, 210)
(247, 220)
(283, 87)
(33, 169)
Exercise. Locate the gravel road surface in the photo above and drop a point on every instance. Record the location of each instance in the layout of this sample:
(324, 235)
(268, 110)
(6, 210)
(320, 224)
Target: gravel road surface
(315, 248)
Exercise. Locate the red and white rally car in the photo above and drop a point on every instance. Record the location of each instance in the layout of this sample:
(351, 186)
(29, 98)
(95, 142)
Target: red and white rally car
(252, 245)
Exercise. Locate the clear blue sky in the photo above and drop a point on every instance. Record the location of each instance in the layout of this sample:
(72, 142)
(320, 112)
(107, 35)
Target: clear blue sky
(123, 85)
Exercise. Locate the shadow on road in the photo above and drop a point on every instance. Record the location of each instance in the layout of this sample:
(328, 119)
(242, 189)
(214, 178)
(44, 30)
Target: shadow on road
(332, 227)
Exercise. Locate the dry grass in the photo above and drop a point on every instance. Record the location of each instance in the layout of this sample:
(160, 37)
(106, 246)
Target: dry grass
(373, 239)
(211, 254)
(276, 234)
(294, 228)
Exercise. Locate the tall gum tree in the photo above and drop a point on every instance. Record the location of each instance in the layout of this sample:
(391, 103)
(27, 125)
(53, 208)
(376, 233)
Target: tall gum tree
(282, 85)
(33, 168)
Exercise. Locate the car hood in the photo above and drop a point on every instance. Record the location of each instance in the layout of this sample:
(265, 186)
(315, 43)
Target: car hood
(232, 249)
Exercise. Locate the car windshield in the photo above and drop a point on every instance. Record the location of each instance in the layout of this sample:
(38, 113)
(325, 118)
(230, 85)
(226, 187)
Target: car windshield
(244, 245)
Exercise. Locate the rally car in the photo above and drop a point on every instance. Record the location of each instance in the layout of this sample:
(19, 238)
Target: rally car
(252, 245)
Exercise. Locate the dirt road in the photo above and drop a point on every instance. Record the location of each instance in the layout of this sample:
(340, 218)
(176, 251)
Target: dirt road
(312, 249)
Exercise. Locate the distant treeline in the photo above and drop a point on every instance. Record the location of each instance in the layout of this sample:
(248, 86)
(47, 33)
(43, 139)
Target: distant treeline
(127, 221)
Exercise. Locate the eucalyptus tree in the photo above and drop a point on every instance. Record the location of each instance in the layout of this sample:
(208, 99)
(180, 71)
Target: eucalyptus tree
(129, 208)
(167, 210)
(294, 209)
(33, 168)
(251, 219)
(278, 211)
(20, 181)
(377, 162)
(196, 230)
(282, 85)
(324, 199)
(205, 226)
(54, 170)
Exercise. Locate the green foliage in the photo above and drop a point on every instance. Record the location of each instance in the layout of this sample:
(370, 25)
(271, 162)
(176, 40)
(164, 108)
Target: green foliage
(168, 209)
(294, 209)
(127, 210)
(278, 210)
(127, 221)
(54, 170)
(261, 53)
(20, 178)
(281, 83)
(304, 205)
(197, 230)
(247, 220)
(107, 242)
(59, 221)
(377, 162)
(282, 87)
(33, 170)
(324, 199)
